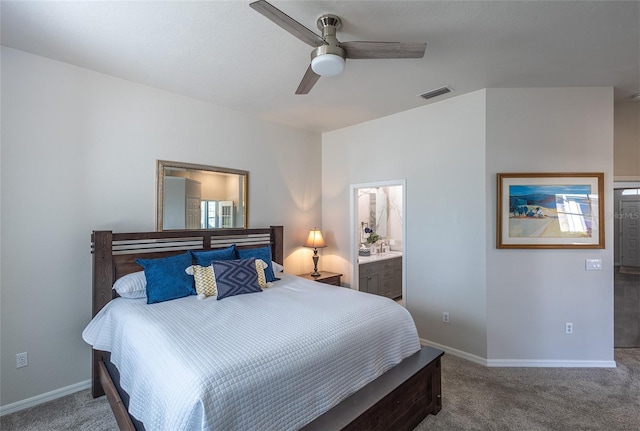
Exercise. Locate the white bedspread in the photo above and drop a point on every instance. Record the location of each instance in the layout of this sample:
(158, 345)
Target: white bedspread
(272, 360)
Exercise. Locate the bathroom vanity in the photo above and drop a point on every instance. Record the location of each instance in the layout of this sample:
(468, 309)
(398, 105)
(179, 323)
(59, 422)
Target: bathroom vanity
(381, 274)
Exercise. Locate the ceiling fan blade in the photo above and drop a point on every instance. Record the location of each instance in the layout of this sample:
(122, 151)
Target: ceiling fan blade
(308, 81)
(370, 50)
(287, 23)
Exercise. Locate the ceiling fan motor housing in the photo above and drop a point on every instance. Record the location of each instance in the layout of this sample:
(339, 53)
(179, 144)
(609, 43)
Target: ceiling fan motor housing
(329, 59)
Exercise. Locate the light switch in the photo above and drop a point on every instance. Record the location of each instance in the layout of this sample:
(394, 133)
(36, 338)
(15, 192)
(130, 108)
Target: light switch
(593, 264)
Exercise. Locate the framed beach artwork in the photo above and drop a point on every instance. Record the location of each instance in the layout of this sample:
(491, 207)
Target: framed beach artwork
(550, 210)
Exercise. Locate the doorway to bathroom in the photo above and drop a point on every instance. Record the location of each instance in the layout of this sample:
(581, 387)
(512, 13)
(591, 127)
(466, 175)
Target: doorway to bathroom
(378, 236)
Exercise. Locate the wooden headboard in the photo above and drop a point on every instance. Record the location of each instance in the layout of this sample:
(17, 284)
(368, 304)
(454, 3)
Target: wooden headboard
(115, 254)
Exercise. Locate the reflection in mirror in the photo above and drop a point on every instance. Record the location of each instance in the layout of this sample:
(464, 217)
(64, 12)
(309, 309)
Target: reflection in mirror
(191, 196)
(379, 212)
(380, 209)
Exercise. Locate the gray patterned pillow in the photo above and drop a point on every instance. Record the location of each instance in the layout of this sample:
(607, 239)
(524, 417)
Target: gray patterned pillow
(236, 277)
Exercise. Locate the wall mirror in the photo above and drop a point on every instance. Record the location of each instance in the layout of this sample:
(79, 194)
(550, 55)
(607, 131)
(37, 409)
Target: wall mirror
(192, 196)
(381, 209)
(372, 209)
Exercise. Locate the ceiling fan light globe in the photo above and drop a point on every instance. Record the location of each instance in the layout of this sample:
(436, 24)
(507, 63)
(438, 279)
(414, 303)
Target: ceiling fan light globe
(327, 64)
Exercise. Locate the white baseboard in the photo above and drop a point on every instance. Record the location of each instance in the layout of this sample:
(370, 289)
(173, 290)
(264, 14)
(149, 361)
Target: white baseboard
(539, 363)
(43, 398)
(550, 363)
(455, 352)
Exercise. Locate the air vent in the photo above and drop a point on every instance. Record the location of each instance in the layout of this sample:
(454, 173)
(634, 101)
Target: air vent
(435, 93)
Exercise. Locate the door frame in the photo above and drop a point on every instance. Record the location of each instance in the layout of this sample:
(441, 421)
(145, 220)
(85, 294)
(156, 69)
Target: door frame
(617, 243)
(354, 230)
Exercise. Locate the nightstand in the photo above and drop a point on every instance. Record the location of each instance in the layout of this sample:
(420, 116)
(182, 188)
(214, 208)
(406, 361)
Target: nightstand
(325, 277)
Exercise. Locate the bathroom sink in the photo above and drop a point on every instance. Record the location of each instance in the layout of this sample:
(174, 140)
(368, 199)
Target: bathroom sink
(379, 256)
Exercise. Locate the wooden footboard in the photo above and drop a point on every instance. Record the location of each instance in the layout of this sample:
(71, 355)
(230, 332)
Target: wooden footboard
(398, 400)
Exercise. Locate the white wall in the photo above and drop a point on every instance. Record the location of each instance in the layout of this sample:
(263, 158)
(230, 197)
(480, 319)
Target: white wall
(626, 135)
(531, 294)
(439, 149)
(449, 152)
(78, 153)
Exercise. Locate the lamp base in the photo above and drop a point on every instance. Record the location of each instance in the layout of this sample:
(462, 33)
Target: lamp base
(315, 272)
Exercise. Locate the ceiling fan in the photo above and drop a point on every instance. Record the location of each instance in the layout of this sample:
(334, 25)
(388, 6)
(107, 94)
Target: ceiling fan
(329, 55)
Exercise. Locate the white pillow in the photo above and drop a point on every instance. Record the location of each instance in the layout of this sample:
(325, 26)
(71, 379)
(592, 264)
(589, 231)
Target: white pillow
(277, 267)
(132, 285)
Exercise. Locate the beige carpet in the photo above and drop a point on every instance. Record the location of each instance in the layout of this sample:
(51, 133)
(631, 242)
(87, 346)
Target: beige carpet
(474, 398)
(539, 399)
(77, 411)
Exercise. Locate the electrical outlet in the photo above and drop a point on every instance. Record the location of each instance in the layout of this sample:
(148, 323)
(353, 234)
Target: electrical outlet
(593, 264)
(568, 328)
(445, 316)
(22, 360)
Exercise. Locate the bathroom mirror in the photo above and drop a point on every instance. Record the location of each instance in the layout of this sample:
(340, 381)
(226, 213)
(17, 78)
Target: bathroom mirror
(373, 207)
(192, 196)
(381, 209)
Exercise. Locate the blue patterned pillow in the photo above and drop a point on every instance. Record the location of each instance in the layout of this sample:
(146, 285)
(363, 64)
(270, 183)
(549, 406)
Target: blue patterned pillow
(263, 253)
(204, 258)
(166, 278)
(236, 277)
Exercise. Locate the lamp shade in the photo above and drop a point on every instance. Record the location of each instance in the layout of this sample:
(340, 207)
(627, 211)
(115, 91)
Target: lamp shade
(315, 239)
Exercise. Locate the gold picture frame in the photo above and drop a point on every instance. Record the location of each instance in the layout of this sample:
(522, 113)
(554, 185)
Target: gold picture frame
(206, 186)
(550, 210)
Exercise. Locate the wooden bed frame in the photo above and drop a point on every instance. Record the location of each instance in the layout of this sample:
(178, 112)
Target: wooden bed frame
(397, 400)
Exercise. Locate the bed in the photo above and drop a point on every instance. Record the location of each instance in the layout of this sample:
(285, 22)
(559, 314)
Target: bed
(281, 364)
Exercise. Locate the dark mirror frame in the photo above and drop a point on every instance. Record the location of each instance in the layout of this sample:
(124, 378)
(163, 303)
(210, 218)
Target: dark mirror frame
(161, 169)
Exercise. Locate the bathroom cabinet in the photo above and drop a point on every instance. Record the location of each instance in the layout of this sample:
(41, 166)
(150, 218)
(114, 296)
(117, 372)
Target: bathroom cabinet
(381, 277)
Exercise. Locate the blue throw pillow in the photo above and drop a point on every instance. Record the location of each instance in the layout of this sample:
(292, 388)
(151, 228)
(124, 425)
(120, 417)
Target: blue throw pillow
(204, 258)
(263, 253)
(166, 277)
(236, 277)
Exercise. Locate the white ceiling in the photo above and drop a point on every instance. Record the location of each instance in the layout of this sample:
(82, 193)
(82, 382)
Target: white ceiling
(226, 53)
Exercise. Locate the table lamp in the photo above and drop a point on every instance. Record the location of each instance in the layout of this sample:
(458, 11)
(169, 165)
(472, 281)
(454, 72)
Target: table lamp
(315, 241)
